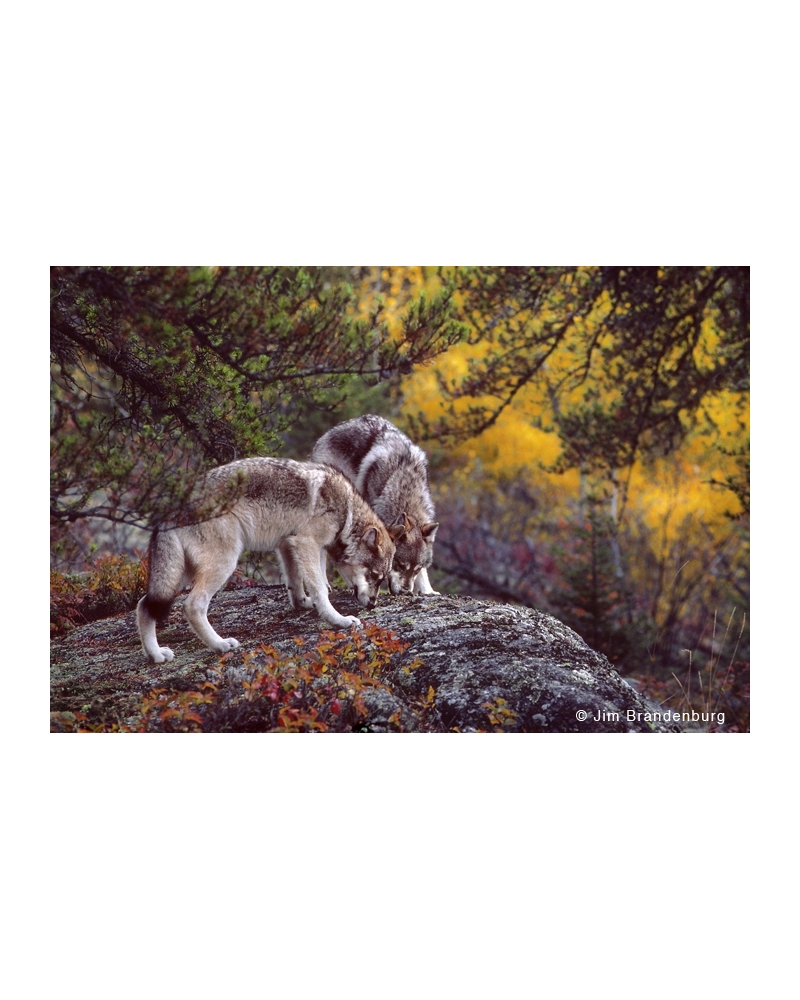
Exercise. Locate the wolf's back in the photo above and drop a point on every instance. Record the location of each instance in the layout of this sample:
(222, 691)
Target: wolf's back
(346, 445)
(385, 466)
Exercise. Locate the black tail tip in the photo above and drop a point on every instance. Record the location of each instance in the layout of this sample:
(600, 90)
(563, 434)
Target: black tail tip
(158, 608)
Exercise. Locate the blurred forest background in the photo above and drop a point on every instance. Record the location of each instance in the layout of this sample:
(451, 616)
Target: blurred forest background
(587, 430)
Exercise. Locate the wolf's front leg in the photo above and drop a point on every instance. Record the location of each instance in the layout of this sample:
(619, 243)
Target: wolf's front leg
(309, 562)
(422, 585)
(327, 611)
(323, 568)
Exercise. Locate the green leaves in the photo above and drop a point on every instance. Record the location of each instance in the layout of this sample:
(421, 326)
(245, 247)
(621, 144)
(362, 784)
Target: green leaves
(160, 373)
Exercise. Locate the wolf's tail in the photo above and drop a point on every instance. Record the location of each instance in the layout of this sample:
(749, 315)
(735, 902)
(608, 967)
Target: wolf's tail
(167, 574)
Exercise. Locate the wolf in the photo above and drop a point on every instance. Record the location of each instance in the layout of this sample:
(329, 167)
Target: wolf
(299, 510)
(390, 472)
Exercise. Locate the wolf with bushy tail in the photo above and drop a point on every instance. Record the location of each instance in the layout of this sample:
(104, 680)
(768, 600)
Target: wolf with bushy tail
(297, 509)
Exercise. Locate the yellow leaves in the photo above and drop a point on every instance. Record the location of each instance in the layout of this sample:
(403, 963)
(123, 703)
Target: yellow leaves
(394, 287)
(729, 412)
(667, 491)
(707, 344)
(675, 496)
(428, 701)
(500, 715)
(421, 392)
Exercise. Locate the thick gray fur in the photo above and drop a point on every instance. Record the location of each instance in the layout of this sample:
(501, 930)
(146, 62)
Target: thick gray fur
(391, 473)
(299, 510)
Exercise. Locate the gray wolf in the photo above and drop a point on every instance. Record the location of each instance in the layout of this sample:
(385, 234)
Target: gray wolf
(297, 509)
(391, 473)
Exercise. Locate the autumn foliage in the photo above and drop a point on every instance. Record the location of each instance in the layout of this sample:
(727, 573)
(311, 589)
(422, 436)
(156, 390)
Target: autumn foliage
(321, 687)
(587, 430)
(108, 585)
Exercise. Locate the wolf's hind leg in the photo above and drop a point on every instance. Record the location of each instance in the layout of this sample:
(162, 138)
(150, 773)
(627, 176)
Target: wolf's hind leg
(146, 622)
(166, 579)
(208, 581)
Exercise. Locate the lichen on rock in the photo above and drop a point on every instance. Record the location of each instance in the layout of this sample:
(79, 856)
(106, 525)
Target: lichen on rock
(485, 666)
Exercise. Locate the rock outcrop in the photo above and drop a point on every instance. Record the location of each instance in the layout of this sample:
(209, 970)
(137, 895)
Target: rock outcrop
(484, 665)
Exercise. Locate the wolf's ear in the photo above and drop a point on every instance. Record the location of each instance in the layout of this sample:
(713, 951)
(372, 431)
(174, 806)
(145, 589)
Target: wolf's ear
(396, 532)
(372, 539)
(429, 530)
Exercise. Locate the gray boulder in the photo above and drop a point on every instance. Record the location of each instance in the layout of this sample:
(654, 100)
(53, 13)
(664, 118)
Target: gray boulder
(484, 666)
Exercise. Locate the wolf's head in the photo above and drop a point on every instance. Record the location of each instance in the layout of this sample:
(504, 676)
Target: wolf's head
(414, 552)
(367, 560)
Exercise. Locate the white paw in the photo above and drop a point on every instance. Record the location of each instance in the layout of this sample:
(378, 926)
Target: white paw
(226, 645)
(165, 654)
(350, 621)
